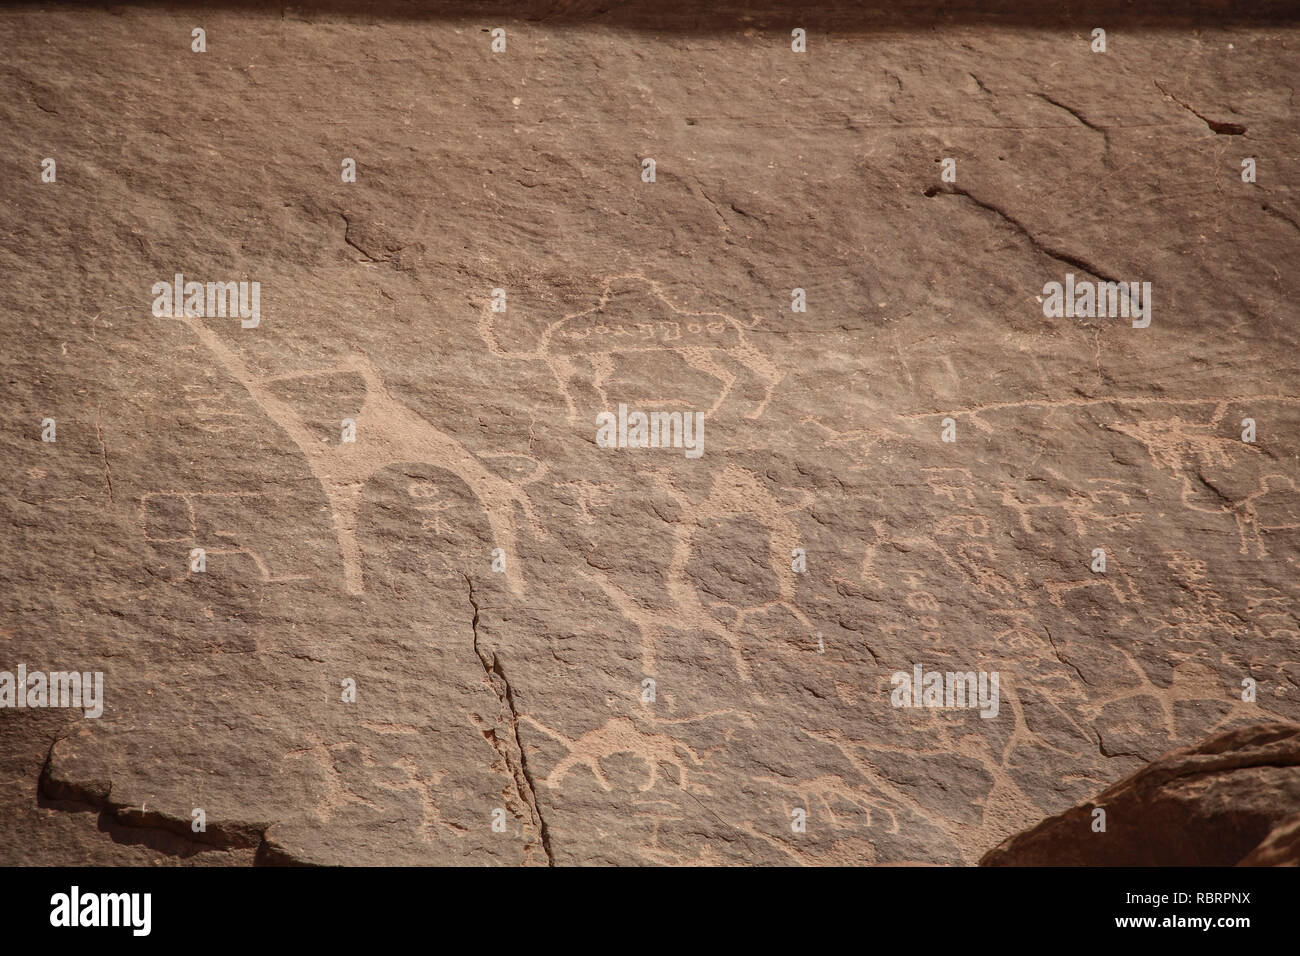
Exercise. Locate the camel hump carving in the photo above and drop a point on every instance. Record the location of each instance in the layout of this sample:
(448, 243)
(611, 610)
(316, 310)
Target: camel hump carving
(389, 433)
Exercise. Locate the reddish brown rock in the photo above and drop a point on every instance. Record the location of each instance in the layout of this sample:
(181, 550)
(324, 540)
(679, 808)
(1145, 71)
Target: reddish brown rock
(1280, 848)
(1231, 799)
(501, 716)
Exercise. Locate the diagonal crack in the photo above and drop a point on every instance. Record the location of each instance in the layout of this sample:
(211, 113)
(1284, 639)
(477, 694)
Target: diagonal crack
(1280, 215)
(1046, 248)
(716, 211)
(1104, 130)
(347, 228)
(1223, 129)
(103, 450)
(1073, 112)
(1069, 664)
(37, 92)
(523, 779)
(1101, 748)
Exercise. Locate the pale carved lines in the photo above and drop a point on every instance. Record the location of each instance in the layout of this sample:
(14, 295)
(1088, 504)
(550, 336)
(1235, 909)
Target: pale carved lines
(733, 491)
(619, 735)
(1090, 402)
(696, 344)
(191, 533)
(392, 434)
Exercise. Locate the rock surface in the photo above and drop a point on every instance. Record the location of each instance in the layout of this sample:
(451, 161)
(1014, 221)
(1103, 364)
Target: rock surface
(523, 690)
(1280, 848)
(1231, 799)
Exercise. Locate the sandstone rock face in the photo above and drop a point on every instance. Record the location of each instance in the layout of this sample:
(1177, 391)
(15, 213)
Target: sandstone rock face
(1230, 799)
(474, 633)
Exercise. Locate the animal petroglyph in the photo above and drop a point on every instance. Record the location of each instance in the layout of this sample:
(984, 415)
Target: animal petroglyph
(635, 316)
(1189, 449)
(831, 790)
(402, 493)
(389, 433)
(733, 492)
(618, 735)
(1278, 497)
(152, 514)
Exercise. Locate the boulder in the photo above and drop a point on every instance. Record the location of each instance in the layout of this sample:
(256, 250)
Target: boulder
(1232, 799)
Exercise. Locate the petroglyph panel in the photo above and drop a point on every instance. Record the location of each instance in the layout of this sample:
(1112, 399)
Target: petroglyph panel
(440, 619)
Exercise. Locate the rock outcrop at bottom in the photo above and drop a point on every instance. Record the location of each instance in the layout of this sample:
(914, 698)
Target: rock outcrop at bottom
(1233, 799)
(1280, 848)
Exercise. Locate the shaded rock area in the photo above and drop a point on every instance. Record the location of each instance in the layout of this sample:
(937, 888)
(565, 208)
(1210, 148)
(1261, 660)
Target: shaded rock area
(475, 634)
(1280, 848)
(1233, 799)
